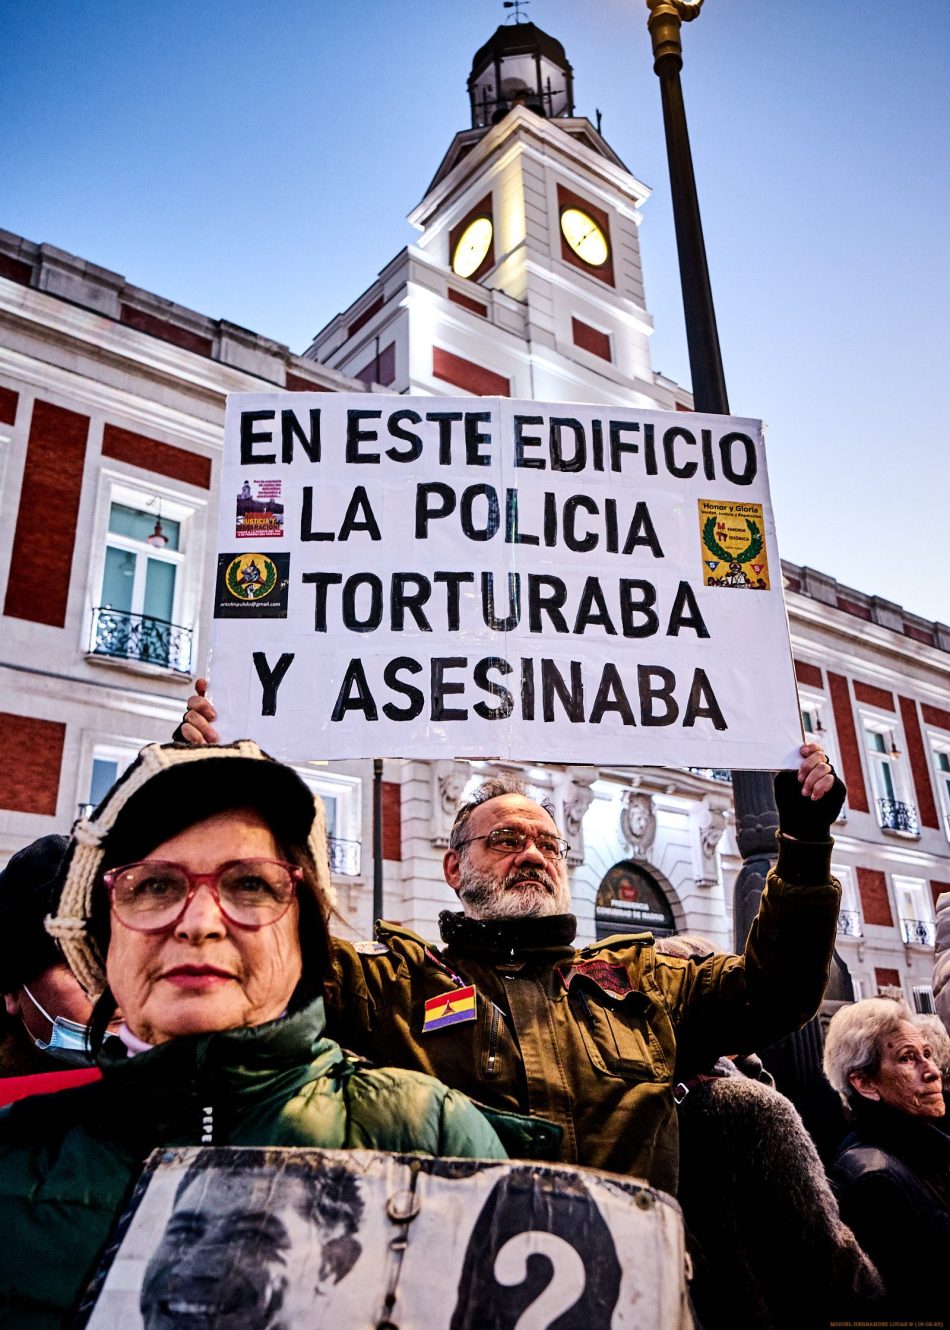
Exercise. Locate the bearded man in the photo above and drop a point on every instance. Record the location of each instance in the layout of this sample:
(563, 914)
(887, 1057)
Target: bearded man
(592, 1041)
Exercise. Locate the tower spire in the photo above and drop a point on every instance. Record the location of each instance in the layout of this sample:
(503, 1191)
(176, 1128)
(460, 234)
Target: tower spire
(520, 66)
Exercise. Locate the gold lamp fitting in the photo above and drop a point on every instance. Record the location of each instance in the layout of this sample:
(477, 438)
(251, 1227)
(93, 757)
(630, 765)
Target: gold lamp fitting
(664, 22)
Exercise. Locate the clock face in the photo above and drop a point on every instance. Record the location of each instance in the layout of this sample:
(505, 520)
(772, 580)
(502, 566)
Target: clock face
(473, 245)
(585, 237)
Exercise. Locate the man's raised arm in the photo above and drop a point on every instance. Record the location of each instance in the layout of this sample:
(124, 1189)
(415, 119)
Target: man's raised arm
(197, 724)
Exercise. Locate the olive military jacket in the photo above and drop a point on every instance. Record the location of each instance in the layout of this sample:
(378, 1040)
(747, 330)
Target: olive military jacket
(592, 1041)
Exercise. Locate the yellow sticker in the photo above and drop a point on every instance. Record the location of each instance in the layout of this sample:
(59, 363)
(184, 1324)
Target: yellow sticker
(733, 544)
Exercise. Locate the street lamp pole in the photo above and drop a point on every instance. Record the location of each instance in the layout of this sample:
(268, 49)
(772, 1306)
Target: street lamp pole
(756, 814)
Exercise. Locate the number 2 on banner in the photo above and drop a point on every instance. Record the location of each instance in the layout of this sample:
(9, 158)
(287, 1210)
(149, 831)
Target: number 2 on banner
(567, 1276)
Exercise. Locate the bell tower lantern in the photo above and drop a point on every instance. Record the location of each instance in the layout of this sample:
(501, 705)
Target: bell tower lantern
(520, 66)
(525, 280)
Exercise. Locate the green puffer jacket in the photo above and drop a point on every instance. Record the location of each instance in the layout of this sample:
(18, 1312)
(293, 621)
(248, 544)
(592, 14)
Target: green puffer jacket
(69, 1161)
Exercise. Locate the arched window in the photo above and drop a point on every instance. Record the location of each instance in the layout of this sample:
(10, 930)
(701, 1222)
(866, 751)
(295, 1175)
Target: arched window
(631, 900)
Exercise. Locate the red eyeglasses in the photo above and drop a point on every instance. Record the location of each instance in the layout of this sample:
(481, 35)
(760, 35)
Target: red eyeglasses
(152, 897)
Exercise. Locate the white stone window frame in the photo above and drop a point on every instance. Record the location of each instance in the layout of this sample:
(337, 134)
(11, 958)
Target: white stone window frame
(107, 748)
(347, 795)
(817, 707)
(913, 903)
(6, 438)
(850, 898)
(939, 744)
(887, 725)
(148, 496)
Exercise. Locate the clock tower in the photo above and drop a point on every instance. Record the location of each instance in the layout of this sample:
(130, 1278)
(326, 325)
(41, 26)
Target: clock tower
(526, 279)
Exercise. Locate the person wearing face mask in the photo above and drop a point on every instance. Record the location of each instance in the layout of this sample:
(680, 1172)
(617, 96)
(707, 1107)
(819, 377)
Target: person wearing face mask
(194, 901)
(892, 1173)
(45, 1011)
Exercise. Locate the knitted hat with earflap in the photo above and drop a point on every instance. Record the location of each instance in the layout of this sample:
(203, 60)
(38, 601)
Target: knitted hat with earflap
(168, 788)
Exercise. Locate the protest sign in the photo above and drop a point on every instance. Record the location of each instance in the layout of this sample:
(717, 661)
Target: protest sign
(477, 577)
(300, 1238)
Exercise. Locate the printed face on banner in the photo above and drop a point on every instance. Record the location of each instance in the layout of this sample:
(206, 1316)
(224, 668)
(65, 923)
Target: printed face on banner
(297, 1239)
(251, 1250)
(482, 577)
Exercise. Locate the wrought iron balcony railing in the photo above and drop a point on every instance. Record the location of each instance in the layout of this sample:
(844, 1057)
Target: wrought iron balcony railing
(142, 638)
(849, 923)
(918, 932)
(897, 816)
(344, 856)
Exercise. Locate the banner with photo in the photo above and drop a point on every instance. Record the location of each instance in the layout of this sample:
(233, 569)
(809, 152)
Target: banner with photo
(297, 1239)
(479, 577)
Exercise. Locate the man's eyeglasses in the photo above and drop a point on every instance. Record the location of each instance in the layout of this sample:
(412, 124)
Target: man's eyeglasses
(152, 897)
(506, 840)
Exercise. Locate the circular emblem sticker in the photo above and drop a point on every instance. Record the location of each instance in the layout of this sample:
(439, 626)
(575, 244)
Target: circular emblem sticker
(251, 576)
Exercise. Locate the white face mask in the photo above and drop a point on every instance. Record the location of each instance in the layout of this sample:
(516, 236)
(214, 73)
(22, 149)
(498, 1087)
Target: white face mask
(68, 1040)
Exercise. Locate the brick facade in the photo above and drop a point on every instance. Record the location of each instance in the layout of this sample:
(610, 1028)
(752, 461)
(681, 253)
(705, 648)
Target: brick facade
(165, 459)
(590, 339)
(464, 374)
(31, 757)
(460, 298)
(848, 742)
(8, 405)
(165, 331)
(874, 697)
(392, 820)
(809, 675)
(926, 804)
(875, 905)
(42, 559)
(935, 716)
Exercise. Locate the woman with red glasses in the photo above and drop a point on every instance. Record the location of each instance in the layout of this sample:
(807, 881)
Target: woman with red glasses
(194, 902)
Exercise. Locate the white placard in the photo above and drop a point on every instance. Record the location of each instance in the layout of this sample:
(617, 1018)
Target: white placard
(476, 577)
(249, 1239)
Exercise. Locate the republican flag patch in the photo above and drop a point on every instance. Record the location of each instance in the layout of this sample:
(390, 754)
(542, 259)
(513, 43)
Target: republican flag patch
(449, 1009)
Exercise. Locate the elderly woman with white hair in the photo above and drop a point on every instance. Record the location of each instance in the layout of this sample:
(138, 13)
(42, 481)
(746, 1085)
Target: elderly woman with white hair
(195, 901)
(892, 1173)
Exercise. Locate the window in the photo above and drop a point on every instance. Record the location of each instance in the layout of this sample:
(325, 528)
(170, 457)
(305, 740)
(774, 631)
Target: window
(815, 732)
(850, 921)
(942, 763)
(144, 587)
(895, 813)
(342, 804)
(104, 763)
(882, 775)
(137, 605)
(914, 911)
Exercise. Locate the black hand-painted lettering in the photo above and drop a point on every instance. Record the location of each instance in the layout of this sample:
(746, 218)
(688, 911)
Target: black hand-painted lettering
(271, 679)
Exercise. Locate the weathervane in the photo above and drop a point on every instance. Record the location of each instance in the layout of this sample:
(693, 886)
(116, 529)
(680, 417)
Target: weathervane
(517, 6)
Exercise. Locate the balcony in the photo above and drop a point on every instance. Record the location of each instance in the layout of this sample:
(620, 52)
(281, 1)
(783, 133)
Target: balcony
(918, 932)
(896, 816)
(141, 638)
(849, 924)
(344, 856)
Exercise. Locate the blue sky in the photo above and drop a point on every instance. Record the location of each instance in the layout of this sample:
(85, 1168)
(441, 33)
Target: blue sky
(256, 163)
